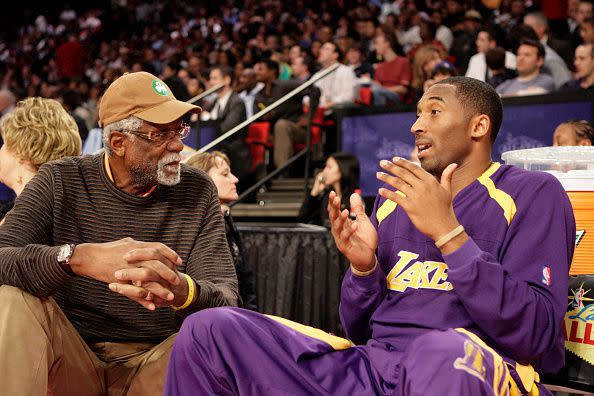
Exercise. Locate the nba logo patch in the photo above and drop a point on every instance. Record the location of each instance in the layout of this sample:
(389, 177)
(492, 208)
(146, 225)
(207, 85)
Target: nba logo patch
(578, 298)
(546, 276)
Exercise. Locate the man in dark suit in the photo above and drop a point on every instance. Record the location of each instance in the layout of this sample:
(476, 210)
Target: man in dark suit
(229, 111)
(540, 24)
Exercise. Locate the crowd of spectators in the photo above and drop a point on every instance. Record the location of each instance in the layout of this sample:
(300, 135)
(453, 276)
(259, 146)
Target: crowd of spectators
(396, 47)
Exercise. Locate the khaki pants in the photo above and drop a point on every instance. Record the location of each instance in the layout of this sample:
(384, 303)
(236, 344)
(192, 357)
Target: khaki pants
(286, 134)
(41, 353)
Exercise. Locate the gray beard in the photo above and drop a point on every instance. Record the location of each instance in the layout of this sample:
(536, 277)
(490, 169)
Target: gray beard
(157, 175)
(166, 177)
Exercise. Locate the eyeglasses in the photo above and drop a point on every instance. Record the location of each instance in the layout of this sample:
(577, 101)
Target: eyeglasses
(160, 137)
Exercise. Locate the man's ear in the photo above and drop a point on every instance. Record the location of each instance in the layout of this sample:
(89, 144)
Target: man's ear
(118, 143)
(480, 125)
(584, 142)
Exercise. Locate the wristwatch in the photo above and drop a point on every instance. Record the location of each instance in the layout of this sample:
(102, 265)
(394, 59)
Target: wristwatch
(64, 255)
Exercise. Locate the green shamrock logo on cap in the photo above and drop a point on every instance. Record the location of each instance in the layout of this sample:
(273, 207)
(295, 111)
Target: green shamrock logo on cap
(160, 87)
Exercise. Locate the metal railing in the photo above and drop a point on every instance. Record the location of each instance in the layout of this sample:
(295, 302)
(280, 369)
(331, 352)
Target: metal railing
(204, 94)
(306, 151)
(268, 109)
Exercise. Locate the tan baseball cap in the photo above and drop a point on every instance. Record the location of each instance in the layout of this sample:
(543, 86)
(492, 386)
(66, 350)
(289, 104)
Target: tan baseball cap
(143, 95)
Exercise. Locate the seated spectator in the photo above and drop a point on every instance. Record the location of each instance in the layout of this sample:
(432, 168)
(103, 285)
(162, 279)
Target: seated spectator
(495, 58)
(229, 111)
(464, 35)
(539, 23)
(248, 87)
(530, 80)
(339, 86)
(295, 51)
(285, 69)
(423, 64)
(341, 175)
(443, 33)
(477, 66)
(584, 70)
(574, 133)
(103, 256)
(356, 60)
(584, 11)
(169, 75)
(393, 75)
(441, 71)
(427, 32)
(72, 102)
(288, 119)
(37, 131)
(217, 165)
(587, 31)
(302, 66)
(553, 65)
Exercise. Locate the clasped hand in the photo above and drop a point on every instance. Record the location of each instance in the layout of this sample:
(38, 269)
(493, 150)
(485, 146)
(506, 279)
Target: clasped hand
(144, 272)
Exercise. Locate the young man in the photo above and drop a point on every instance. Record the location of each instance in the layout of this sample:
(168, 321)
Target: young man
(530, 80)
(288, 119)
(584, 70)
(248, 87)
(477, 66)
(104, 255)
(339, 86)
(457, 285)
(229, 111)
(495, 58)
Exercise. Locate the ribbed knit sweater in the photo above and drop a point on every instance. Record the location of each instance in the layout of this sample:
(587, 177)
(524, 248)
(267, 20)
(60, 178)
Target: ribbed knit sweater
(72, 200)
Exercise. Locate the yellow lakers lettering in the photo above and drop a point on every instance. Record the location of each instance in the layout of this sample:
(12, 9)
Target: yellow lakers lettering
(418, 275)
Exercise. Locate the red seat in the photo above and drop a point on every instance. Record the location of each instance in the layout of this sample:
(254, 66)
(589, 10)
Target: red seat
(318, 122)
(365, 96)
(259, 141)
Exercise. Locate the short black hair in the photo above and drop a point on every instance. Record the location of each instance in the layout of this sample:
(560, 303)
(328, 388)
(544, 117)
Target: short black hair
(270, 64)
(172, 65)
(226, 71)
(337, 50)
(478, 97)
(517, 34)
(534, 43)
(495, 58)
(309, 62)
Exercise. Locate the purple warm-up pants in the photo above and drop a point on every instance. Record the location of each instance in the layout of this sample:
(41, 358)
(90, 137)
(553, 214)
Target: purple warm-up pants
(231, 351)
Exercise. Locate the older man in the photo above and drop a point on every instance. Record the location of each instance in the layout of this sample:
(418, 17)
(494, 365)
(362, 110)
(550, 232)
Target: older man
(103, 256)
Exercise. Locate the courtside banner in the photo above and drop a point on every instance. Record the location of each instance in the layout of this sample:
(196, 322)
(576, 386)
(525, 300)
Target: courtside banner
(579, 330)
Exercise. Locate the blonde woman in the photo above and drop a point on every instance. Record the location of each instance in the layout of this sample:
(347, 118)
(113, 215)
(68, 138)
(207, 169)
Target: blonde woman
(38, 131)
(217, 165)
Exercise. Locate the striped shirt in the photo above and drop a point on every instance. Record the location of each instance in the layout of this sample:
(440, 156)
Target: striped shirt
(72, 200)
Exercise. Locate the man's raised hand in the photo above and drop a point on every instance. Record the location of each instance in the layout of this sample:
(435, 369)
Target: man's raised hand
(355, 238)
